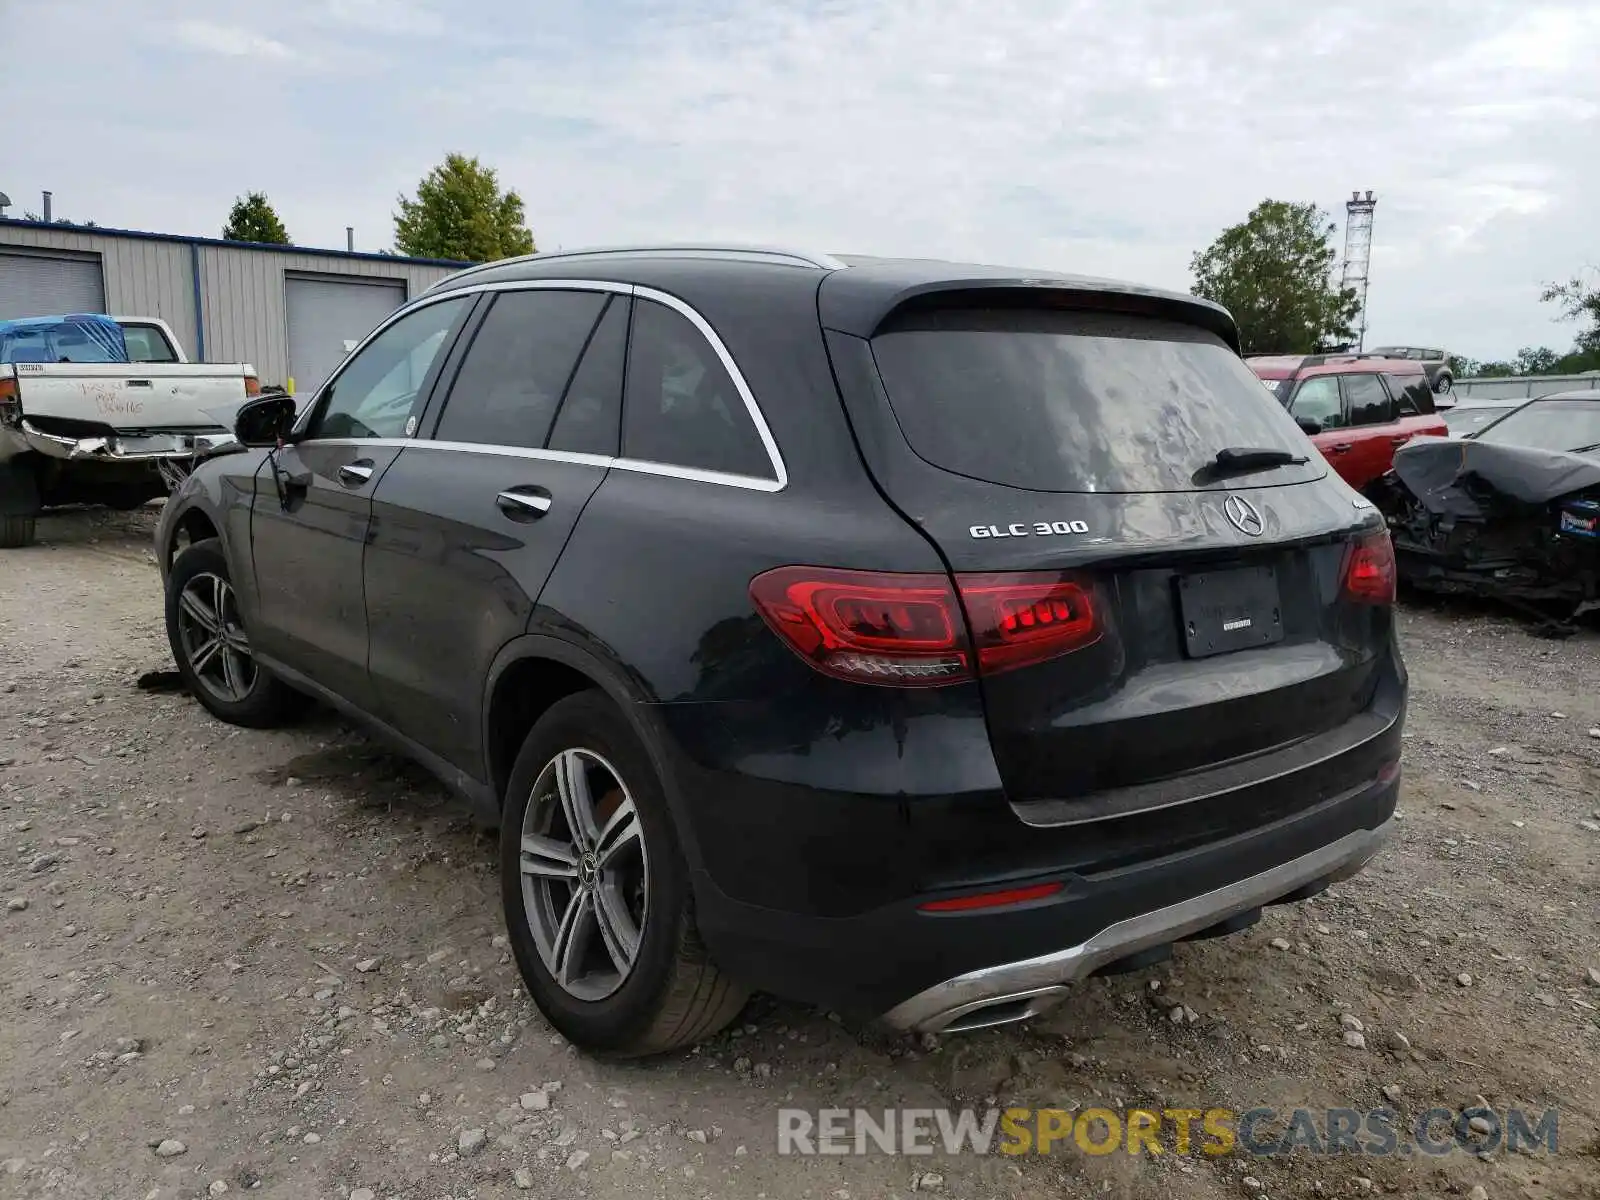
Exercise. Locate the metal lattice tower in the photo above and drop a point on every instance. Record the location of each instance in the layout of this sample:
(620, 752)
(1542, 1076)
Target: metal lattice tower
(1358, 254)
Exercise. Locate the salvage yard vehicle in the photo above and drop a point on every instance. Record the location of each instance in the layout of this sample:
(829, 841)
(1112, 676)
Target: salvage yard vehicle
(96, 410)
(1357, 409)
(1435, 363)
(1510, 511)
(1469, 417)
(907, 638)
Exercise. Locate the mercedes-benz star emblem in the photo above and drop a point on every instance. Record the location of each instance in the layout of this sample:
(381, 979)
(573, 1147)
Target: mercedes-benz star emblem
(1246, 519)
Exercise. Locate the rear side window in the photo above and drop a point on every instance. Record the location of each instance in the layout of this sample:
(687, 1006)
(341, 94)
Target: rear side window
(591, 414)
(1412, 394)
(682, 408)
(1367, 401)
(517, 368)
(1064, 401)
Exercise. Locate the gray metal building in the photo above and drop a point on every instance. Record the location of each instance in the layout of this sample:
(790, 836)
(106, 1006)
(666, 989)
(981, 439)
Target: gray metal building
(287, 310)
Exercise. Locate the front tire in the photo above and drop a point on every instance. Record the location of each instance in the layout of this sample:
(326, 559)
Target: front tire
(211, 647)
(596, 890)
(1442, 385)
(17, 532)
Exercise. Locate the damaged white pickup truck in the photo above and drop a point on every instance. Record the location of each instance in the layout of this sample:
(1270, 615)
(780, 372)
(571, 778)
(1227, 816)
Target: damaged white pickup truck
(97, 410)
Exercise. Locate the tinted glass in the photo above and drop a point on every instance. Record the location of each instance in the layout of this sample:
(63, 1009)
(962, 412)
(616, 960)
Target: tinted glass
(1411, 393)
(591, 413)
(682, 407)
(1466, 420)
(374, 395)
(1368, 403)
(1073, 401)
(1548, 425)
(517, 367)
(1318, 400)
(147, 344)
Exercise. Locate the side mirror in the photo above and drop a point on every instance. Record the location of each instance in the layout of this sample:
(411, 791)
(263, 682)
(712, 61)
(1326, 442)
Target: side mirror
(1307, 425)
(262, 422)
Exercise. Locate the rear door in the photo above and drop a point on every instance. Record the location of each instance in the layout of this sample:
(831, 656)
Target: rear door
(1080, 446)
(469, 521)
(1372, 433)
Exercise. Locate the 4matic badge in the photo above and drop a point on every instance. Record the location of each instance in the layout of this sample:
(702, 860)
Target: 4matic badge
(1029, 529)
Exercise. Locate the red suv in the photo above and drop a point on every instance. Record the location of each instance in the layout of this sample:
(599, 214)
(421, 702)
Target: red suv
(1358, 410)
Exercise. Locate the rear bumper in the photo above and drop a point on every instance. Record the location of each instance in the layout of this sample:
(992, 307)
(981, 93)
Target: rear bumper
(161, 444)
(1013, 991)
(930, 971)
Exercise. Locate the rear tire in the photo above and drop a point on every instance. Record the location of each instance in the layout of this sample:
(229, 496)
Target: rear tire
(16, 532)
(212, 649)
(637, 981)
(1442, 385)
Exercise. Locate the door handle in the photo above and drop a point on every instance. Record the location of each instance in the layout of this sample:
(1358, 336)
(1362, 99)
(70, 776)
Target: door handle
(1401, 440)
(524, 504)
(1340, 447)
(353, 475)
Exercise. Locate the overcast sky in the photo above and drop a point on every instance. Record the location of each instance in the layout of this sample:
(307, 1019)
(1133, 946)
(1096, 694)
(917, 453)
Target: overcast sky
(1110, 137)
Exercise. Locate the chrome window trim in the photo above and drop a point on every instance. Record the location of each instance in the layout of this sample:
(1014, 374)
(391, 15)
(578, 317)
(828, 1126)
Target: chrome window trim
(638, 465)
(780, 472)
(778, 481)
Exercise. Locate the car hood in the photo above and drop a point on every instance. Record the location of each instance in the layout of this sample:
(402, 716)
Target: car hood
(1437, 471)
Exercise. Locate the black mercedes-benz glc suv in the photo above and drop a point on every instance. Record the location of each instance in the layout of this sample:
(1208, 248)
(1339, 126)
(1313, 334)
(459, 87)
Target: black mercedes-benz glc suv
(901, 636)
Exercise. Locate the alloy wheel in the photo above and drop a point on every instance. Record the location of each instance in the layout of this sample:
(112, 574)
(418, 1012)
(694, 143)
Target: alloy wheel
(213, 638)
(585, 874)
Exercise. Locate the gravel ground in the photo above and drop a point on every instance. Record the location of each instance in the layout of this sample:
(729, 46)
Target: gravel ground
(234, 961)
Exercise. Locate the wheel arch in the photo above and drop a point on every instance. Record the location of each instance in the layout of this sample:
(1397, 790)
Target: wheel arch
(533, 672)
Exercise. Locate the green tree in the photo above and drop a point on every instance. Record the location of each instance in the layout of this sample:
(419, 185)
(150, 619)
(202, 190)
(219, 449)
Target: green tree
(33, 216)
(1537, 360)
(460, 213)
(1579, 299)
(1274, 272)
(253, 219)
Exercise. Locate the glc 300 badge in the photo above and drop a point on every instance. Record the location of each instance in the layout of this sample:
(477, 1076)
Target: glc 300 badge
(1029, 529)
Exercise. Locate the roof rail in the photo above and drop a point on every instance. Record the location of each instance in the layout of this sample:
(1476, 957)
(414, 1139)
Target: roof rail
(745, 253)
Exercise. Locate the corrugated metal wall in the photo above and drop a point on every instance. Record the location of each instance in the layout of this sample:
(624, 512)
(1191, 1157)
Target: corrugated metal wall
(142, 278)
(241, 291)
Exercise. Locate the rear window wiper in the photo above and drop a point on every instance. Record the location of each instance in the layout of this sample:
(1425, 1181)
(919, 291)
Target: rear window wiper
(1240, 460)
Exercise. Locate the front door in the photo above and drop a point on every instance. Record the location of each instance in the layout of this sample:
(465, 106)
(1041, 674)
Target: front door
(313, 501)
(468, 523)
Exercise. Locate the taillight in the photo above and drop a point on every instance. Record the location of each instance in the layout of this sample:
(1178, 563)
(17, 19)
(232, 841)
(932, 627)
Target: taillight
(910, 630)
(904, 630)
(9, 407)
(252, 386)
(1023, 619)
(1369, 570)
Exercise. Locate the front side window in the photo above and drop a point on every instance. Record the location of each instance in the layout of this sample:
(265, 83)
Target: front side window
(1318, 400)
(379, 388)
(518, 366)
(682, 408)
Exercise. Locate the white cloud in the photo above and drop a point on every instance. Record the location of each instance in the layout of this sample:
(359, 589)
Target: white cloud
(1070, 134)
(231, 41)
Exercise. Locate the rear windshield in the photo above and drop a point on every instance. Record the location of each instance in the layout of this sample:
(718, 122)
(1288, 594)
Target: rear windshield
(1080, 402)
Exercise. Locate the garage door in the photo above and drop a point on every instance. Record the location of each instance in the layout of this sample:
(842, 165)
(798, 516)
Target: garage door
(324, 314)
(35, 285)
